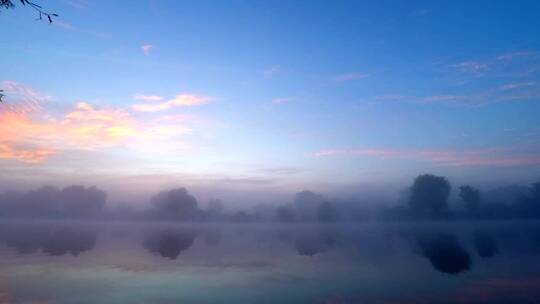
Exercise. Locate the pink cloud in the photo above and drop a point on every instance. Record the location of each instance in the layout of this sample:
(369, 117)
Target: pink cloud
(146, 48)
(147, 97)
(34, 135)
(180, 100)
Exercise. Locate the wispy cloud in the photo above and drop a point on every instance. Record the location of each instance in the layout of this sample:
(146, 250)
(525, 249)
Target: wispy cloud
(180, 100)
(497, 157)
(147, 97)
(21, 98)
(420, 12)
(516, 55)
(350, 76)
(271, 71)
(280, 100)
(473, 67)
(146, 48)
(512, 86)
(79, 4)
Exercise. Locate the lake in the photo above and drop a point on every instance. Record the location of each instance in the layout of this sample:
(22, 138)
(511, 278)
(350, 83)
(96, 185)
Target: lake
(84, 262)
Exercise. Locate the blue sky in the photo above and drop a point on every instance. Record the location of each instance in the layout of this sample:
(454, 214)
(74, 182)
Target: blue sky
(252, 97)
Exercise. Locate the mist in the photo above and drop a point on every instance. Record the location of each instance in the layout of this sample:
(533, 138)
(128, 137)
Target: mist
(429, 197)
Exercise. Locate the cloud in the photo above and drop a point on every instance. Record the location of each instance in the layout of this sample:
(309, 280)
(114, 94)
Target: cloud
(280, 100)
(497, 157)
(147, 97)
(271, 71)
(79, 4)
(351, 76)
(245, 180)
(146, 48)
(33, 135)
(511, 86)
(21, 98)
(473, 67)
(27, 155)
(515, 55)
(283, 170)
(180, 100)
(443, 98)
(420, 12)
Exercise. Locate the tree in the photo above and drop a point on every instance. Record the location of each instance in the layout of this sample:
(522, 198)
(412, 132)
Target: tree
(78, 201)
(471, 197)
(429, 195)
(535, 191)
(528, 205)
(175, 204)
(285, 214)
(6, 4)
(307, 204)
(215, 206)
(326, 213)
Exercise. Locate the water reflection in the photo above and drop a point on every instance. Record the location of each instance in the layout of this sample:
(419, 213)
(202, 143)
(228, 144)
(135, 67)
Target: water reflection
(445, 253)
(312, 242)
(486, 247)
(55, 240)
(169, 243)
(291, 262)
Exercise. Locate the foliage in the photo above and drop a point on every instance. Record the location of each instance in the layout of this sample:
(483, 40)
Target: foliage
(6, 4)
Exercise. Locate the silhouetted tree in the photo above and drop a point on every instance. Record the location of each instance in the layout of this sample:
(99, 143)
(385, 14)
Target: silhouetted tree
(216, 205)
(6, 4)
(471, 198)
(175, 204)
(50, 202)
(327, 213)
(307, 204)
(78, 201)
(535, 191)
(241, 217)
(429, 195)
(285, 214)
(528, 205)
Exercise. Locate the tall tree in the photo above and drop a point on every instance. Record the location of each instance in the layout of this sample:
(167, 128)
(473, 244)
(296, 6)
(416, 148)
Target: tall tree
(471, 198)
(429, 195)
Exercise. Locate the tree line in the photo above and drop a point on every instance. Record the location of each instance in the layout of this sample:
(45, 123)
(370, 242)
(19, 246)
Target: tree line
(427, 198)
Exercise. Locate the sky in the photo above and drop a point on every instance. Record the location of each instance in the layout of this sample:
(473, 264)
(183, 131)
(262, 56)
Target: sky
(243, 99)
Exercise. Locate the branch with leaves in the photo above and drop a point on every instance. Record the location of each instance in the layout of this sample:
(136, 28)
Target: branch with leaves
(42, 14)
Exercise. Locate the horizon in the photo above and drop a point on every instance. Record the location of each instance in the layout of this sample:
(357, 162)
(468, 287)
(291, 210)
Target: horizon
(251, 102)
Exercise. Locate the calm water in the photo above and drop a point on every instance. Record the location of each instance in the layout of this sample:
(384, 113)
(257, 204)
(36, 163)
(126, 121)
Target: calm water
(258, 263)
